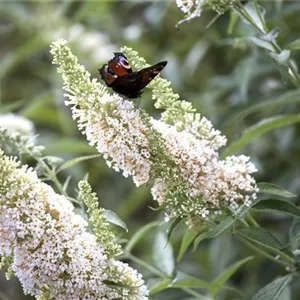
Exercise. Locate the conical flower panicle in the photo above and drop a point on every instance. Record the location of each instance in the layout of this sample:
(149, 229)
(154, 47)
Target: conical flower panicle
(110, 123)
(52, 254)
(178, 153)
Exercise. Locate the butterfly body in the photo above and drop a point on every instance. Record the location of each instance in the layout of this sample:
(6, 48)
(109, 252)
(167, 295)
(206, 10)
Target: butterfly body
(118, 75)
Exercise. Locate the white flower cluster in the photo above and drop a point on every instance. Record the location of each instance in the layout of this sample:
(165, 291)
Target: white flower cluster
(187, 5)
(220, 183)
(181, 158)
(110, 123)
(240, 185)
(192, 8)
(201, 128)
(15, 123)
(94, 44)
(116, 128)
(177, 112)
(53, 254)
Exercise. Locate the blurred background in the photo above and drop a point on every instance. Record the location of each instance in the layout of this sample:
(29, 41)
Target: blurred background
(222, 74)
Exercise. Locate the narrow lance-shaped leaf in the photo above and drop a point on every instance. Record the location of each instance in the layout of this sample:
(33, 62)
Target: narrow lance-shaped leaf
(295, 45)
(11, 106)
(222, 226)
(287, 98)
(273, 189)
(294, 235)
(186, 241)
(140, 234)
(67, 145)
(172, 227)
(280, 206)
(183, 280)
(264, 238)
(72, 162)
(113, 218)
(157, 284)
(273, 290)
(259, 129)
(218, 283)
(163, 254)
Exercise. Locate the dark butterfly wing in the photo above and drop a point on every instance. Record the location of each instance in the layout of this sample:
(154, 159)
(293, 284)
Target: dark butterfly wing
(128, 85)
(131, 84)
(147, 74)
(119, 76)
(119, 65)
(107, 75)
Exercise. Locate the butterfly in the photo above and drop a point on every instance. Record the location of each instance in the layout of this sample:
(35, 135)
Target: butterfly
(118, 75)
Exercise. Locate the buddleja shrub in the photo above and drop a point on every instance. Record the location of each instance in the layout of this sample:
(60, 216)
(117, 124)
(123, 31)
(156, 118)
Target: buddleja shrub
(52, 251)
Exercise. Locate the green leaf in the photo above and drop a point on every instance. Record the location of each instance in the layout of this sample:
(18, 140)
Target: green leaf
(12, 106)
(257, 14)
(271, 36)
(295, 45)
(13, 58)
(158, 284)
(259, 129)
(281, 206)
(218, 283)
(129, 205)
(72, 162)
(66, 145)
(263, 237)
(290, 97)
(66, 183)
(163, 254)
(186, 241)
(261, 43)
(44, 115)
(172, 226)
(140, 234)
(183, 280)
(273, 189)
(273, 290)
(213, 232)
(113, 218)
(282, 58)
(286, 293)
(202, 236)
(294, 235)
(32, 107)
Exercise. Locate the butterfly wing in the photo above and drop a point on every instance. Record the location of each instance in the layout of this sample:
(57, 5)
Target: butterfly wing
(119, 65)
(107, 75)
(147, 74)
(118, 75)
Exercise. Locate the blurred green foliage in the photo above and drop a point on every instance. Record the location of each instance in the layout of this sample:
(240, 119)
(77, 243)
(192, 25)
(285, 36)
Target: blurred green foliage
(227, 78)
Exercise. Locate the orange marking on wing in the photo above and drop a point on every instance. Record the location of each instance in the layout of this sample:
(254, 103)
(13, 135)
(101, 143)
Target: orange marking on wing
(119, 65)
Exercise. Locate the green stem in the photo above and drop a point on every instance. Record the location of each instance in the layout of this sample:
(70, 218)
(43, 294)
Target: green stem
(195, 294)
(263, 253)
(293, 73)
(53, 178)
